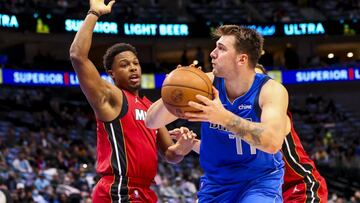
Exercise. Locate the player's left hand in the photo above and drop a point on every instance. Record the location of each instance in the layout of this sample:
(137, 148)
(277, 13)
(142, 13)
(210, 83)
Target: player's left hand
(185, 140)
(100, 7)
(184, 132)
(212, 111)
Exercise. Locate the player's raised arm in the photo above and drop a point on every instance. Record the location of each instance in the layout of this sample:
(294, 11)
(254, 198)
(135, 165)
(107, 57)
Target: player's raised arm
(97, 91)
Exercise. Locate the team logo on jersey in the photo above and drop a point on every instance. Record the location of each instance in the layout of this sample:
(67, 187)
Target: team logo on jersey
(245, 107)
(140, 115)
(218, 127)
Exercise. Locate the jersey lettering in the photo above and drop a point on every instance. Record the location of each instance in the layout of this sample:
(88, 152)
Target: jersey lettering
(218, 127)
(140, 114)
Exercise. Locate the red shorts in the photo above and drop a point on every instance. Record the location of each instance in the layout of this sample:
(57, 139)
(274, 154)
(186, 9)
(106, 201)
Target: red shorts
(310, 192)
(114, 189)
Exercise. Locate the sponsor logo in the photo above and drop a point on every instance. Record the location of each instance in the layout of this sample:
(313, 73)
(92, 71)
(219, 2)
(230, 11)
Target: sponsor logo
(245, 107)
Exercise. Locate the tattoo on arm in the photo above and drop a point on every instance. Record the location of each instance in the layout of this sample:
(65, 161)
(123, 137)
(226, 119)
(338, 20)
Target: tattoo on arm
(248, 131)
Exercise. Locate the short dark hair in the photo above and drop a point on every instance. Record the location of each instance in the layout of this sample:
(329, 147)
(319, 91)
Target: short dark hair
(248, 41)
(114, 50)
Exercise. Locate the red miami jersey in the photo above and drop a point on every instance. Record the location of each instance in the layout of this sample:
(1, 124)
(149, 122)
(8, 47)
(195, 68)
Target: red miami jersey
(302, 181)
(125, 146)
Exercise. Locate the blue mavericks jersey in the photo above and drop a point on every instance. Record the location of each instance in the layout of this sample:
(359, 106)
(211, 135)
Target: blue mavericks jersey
(226, 159)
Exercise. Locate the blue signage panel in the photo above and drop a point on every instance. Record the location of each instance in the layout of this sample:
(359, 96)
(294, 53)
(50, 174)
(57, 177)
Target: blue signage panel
(15, 77)
(150, 81)
(42, 78)
(159, 79)
(320, 75)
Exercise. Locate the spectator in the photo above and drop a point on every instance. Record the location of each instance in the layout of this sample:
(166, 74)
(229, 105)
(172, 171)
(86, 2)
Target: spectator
(22, 164)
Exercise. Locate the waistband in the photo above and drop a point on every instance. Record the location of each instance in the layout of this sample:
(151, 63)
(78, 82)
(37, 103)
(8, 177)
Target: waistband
(130, 181)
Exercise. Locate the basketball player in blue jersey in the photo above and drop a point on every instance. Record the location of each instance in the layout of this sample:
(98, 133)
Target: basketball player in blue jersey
(243, 127)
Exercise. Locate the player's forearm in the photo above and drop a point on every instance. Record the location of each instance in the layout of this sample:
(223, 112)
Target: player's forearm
(256, 134)
(172, 155)
(80, 47)
(196, 147)
(158, 116)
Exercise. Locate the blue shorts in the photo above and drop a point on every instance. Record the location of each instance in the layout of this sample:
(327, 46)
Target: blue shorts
(266, 189)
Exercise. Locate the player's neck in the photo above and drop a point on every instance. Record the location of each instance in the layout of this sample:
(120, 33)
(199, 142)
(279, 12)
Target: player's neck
(133, 92)
(136, 93)
(239, 84)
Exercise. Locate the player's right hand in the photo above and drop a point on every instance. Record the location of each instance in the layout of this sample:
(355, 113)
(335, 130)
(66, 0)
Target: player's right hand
(184, 132)
(185, 140)
(100, 7)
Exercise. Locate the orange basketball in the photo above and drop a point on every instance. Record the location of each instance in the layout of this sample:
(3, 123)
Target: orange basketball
(181, 86)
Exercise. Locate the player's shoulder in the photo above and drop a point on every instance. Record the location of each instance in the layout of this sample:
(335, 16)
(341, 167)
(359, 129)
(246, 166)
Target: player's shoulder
(273, 86)
(273, 90)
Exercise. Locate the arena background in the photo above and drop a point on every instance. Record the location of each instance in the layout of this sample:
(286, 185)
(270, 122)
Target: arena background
(47, 129)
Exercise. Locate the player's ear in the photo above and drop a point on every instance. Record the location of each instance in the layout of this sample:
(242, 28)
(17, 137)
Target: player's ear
(242, 59)
(110, 72)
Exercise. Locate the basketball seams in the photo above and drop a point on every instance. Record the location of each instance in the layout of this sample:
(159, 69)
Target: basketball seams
(200, 90)
(200, 76)
(209, 88)
(174, 104)
(177, 90)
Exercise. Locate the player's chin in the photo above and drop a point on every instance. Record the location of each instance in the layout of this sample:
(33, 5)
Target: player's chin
(135, 84)
(134, 87)
(216, 72)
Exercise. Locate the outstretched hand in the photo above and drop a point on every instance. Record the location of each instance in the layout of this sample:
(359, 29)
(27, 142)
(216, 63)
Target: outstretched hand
(100, 7)
(182, 132)
(185, 140)
(211, 111)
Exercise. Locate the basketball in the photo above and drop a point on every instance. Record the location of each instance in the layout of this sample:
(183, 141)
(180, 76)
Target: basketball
(181, 86)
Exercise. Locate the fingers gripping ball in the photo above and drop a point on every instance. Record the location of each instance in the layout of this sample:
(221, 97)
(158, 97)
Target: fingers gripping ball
(181, 86)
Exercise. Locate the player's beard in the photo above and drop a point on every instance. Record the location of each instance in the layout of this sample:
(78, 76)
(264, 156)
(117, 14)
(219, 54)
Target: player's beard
(134, 88)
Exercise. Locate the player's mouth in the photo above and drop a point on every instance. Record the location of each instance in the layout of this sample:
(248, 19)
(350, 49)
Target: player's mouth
(135, 78)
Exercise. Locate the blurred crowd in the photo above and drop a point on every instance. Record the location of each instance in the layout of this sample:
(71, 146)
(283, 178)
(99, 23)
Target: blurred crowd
(329, 132)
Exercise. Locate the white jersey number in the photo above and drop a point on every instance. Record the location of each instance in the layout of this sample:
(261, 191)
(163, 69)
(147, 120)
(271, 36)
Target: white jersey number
(239, 149)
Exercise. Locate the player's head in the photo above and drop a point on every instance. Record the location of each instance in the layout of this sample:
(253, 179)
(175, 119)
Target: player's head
(236, 45)
(122, 64)
(260, 69)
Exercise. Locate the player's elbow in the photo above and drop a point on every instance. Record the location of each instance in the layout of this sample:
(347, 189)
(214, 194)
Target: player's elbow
(149, 122)
(273, 148)
(75, 57)
(274, 144)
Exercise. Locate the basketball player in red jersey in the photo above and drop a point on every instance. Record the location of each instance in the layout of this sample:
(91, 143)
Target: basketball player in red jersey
(126, 148)
(302, 181)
